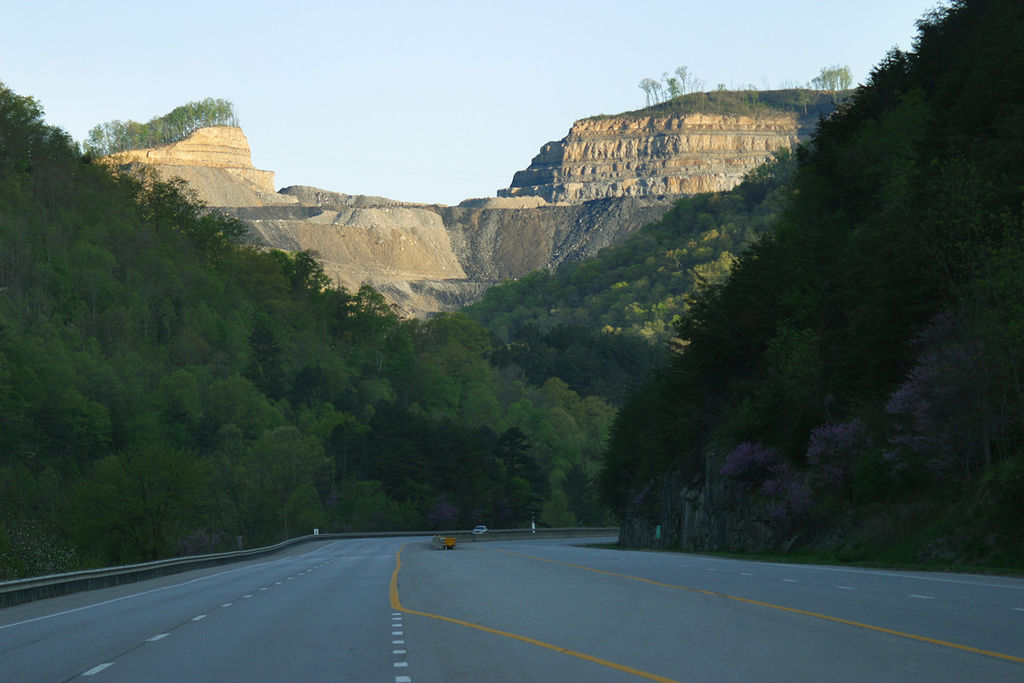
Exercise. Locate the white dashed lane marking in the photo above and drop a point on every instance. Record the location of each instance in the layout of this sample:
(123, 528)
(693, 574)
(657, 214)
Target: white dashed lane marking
(400, 654)
(96, 669)
(397, 618)
(920, 597)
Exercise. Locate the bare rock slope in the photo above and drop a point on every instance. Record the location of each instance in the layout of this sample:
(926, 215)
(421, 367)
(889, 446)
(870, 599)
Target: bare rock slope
(402, 250)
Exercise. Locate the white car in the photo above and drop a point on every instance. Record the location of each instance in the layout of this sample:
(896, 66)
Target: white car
(480, 529)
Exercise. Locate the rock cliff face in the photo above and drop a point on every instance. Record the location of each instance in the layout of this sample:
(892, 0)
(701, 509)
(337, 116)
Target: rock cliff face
(639, 156)
(697, 515)
(216, 162)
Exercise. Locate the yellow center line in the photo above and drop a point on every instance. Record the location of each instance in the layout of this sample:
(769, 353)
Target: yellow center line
(396, 604)
(793, 610)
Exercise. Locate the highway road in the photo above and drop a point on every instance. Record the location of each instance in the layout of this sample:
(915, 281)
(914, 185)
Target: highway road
(395, 610)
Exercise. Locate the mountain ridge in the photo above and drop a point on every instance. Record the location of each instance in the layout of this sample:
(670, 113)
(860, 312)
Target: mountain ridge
(613, 175)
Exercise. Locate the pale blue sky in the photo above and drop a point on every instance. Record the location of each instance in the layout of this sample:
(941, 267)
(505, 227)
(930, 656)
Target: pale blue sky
(418, 101)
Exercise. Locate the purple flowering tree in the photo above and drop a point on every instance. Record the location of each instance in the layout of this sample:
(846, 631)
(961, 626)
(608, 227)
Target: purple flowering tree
(203, 542)
(832, 452)
(750, 463)
(443, 515)
(940, 413)
(787, 495)
(759, 470)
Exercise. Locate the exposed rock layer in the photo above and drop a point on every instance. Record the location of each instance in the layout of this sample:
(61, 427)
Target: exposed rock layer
(630, 156)
(216, 162)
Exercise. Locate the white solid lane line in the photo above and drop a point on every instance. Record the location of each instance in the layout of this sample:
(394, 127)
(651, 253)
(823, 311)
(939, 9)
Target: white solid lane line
(913, 577)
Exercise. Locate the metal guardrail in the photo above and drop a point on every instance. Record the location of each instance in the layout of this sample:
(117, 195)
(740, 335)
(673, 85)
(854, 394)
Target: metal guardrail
(523, 534)
(53, 585)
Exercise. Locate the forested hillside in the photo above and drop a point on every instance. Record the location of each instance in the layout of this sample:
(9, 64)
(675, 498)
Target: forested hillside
(855, 382)
(165, 390)
(600, 325)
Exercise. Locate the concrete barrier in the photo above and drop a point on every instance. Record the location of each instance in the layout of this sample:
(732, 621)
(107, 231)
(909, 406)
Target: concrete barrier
(53, 585)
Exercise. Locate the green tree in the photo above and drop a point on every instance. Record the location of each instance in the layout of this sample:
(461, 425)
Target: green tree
(651, 89)
(835, 79)
(139, 503)
(285, 472)
(235, 400)
(687, 82)
(364, 506)
(266, 369)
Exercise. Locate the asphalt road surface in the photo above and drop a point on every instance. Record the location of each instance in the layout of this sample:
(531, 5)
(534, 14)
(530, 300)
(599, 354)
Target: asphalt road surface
(395, 610)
